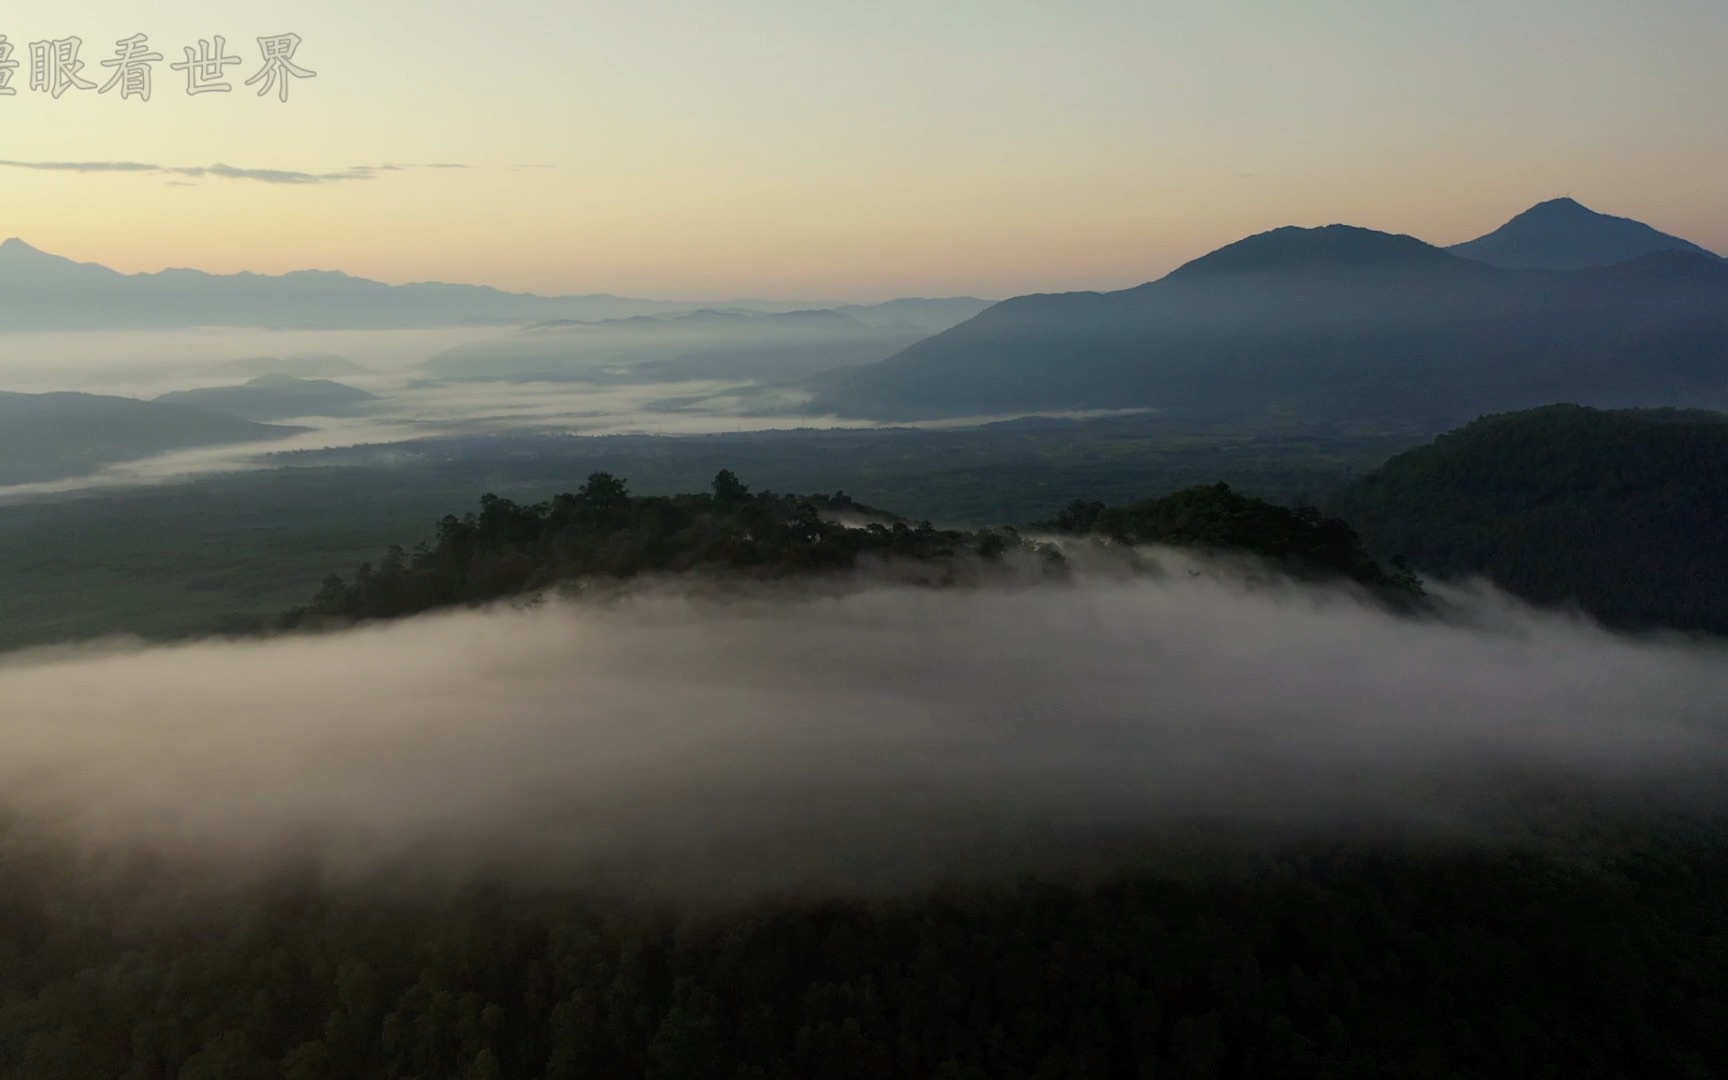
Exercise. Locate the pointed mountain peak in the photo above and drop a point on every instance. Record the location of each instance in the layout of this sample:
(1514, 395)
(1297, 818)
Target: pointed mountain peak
(1561, 207)
(25, 259)
(1563, 234)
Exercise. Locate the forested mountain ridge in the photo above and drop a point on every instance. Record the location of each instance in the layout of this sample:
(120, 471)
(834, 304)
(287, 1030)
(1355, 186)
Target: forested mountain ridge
(1216, 519)
(601, 531)
(1622, 513)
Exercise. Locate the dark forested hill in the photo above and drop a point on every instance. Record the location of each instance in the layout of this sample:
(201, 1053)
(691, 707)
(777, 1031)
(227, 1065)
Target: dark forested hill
(1334, 322)
(1216, 519)
(1622, 512)
(50, 436)
(602, 531)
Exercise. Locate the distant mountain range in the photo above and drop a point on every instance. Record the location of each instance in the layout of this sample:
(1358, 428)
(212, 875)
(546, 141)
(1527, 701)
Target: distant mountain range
(39, 291)
(1562, 235)
(1560, 303)
(1335, 322)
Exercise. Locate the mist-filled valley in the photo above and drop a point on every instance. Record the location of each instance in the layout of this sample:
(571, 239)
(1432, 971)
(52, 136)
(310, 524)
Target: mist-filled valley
(1310, 662)
(320, 390)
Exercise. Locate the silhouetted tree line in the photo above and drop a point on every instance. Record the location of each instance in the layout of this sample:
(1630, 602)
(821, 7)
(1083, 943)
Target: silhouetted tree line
(1324, 963)
(1214, 518)
(603, 531)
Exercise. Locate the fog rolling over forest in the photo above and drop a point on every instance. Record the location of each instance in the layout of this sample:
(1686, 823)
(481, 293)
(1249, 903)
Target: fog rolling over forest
(672, 747)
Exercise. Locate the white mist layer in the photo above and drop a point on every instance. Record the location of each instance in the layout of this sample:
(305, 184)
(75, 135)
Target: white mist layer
(869, 740)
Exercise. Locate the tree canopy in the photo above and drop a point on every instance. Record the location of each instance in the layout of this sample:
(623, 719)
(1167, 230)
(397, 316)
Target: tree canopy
(1323, 962)
(601, 531)
(1619, 512)
(1215, 518)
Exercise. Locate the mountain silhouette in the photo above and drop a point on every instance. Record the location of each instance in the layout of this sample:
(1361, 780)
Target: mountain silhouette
(1331, 248)
(1561, 234)
(41, 291)
(275, 397)
(21, 264)
(1335, 322)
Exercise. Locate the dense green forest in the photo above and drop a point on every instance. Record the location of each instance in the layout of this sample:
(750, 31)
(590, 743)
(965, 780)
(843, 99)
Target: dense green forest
(1622, 513)
(1425, 961)
(601, 531)
(1217, 519)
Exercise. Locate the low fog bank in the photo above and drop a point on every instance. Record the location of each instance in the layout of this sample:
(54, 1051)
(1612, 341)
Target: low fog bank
(146, 363)
(673, 746)
(408, 404)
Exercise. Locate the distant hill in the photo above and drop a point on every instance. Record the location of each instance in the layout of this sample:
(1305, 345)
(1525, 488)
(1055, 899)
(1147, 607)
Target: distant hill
(1622, 512)
(1332, 323)
(41, 291)
(54, 436)
(276, 397)
(703, 344)
(1561, 234)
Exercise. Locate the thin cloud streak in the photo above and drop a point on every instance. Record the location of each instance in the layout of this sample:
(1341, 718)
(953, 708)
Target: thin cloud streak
(220, 170)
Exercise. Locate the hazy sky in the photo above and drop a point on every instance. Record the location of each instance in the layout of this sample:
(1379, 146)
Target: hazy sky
(694, 148)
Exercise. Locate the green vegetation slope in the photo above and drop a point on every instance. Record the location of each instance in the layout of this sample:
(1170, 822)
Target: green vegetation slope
(1624, 513)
